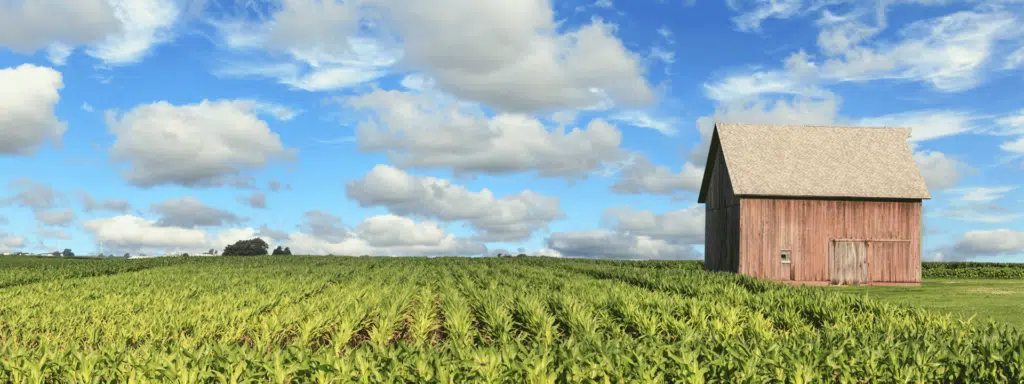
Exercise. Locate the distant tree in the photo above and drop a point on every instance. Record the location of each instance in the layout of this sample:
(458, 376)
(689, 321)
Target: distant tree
(184, 254)
(212, 252)
(278, 251)
(55, 254)
(100, 255)
(251, 247)
(521, 255)
(68, 253)
(127, 255)
(287, 251)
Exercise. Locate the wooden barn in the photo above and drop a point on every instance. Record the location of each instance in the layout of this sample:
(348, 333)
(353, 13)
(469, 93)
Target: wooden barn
(813, 204)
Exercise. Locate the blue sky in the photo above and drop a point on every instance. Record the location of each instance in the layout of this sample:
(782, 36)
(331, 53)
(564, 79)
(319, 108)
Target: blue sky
(467, 127)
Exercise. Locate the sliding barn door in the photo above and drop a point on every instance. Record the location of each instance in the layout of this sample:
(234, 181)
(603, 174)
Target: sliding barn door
(848, 262)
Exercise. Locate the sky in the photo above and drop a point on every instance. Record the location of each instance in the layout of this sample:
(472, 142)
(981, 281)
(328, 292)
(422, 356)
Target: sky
(476, 127)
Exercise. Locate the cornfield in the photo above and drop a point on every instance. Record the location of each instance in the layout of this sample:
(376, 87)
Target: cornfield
(447, 320)
(972, 270)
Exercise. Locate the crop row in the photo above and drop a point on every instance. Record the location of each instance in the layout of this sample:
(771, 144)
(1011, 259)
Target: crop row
(302, 319)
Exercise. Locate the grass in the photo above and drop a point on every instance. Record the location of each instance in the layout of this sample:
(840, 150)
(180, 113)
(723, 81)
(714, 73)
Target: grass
(1001, 300)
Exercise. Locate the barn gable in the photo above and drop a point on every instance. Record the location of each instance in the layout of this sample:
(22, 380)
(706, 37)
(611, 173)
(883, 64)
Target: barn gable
(816, 161)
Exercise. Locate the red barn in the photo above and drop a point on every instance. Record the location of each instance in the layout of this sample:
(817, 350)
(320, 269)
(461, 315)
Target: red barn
(813, 204)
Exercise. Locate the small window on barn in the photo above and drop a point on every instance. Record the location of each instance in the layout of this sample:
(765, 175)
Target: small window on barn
(786, 256)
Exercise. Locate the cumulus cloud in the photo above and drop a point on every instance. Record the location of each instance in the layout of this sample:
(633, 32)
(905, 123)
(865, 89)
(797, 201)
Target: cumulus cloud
(190, 212)
(635, 234)
(640, 176)
(600, 243)
(418, 131)
(33, 195)
(27, 26)
(114, 31)
(266, 232)
(684, 226)
(62, 217)
(27, 100)
(204, 144)
(388, 235)
(90, 204)
(499, 44)
(939, 170)
(336, 45)
(324, 226)
(10, 242)
(132, 232)
(510, 218)
(255, 200)
(980, 243)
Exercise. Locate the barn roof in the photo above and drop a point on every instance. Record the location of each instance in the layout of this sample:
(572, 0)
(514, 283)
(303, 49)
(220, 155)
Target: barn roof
(816, 161)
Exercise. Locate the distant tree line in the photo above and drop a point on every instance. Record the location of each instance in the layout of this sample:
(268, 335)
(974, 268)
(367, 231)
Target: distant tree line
(253, 247)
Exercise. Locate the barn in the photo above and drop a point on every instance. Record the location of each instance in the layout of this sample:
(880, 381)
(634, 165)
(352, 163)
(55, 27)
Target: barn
(813, 205)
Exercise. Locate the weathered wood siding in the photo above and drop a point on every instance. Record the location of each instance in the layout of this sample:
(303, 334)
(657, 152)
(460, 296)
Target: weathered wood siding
(722, 221)
(848, 263)
(807, 226)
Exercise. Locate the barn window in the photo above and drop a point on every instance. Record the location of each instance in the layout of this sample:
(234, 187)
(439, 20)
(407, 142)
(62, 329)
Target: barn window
(785, 256)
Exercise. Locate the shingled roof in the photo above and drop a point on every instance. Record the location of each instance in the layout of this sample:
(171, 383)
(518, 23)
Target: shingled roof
(816, 161)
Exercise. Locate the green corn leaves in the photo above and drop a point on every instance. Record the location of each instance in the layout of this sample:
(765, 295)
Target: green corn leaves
(456, 320)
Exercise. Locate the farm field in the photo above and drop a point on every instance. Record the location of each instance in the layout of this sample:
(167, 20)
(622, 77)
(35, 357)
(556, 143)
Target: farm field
(1001, 300)
(538, 320)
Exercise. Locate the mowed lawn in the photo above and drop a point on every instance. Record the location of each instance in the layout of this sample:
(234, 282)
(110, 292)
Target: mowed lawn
(999, 299)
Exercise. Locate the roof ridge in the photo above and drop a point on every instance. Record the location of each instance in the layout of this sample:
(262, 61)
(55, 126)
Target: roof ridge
(812, 125)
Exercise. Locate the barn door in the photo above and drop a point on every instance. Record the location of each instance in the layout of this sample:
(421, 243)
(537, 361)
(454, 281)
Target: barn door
(848, 262)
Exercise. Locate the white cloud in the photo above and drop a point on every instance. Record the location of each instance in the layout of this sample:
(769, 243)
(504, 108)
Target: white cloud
(988, 243)
(636, 235)
(982, 194)
(255, 200)
(321, 37)
(144, 24)
(684, 226)
(1012, 124)
(510, 218)
(29, 25)
(640, 176)
(757, 11)
(192, 145)
(27, 100)
(419, 131)
(601, 243)
(385, 235)
(90, 204)
(279, 112)
(61, 218)
(498, 44)
(979, 204)
(190, 212)
(10, 242)
(939, 170)
(33, 195)
(58, 53)
(642, 119)
(1014, 60)
(87, 107)
(925, 124)
(132, 232)
(948, 52)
